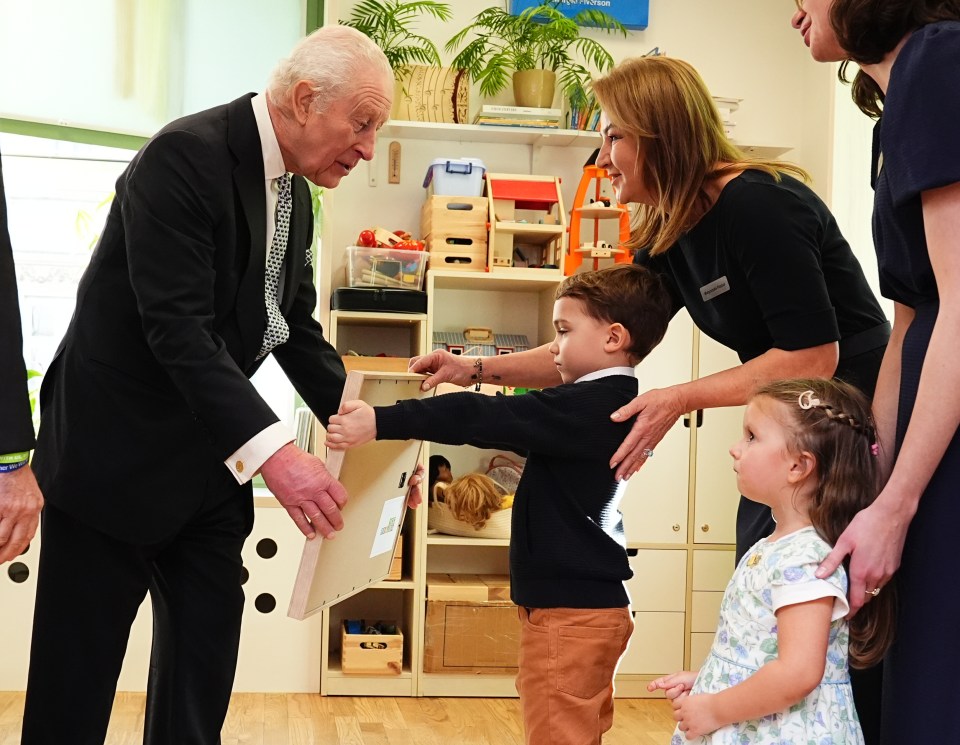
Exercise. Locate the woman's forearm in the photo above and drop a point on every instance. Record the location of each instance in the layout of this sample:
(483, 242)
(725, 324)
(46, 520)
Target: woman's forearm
(887, 393)
(733, 387)
(534, 368)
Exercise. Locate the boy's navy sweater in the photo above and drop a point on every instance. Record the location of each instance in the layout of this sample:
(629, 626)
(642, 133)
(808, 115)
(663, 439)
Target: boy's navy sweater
(567, 547)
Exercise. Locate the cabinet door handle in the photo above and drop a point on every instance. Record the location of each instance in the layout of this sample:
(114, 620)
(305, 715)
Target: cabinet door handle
(686, 419)
(676, 527)
(705, 528)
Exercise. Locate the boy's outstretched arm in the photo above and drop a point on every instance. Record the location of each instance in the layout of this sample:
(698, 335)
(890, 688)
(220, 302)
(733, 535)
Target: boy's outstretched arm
(355, 424)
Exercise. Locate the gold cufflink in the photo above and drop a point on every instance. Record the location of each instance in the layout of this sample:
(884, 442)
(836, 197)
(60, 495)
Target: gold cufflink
(239, 466)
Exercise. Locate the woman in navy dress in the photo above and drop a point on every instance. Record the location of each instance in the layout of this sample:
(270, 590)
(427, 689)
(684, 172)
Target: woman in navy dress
(909, 54)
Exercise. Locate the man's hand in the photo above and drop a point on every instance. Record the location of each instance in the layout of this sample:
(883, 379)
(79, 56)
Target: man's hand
(20, 505)
(302, 484)
(414, 491)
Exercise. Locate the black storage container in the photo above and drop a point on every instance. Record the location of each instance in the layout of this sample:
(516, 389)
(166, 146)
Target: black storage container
(377, 299)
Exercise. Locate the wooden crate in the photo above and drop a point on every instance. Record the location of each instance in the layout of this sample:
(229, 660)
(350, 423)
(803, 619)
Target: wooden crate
(465, 249)
(371, 654)
(446, 214)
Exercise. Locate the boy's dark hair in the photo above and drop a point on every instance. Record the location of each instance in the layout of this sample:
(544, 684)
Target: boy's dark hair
(837, 428)
(869, 29)
(628, 294)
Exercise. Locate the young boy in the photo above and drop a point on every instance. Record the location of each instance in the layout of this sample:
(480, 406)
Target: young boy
(568, 559)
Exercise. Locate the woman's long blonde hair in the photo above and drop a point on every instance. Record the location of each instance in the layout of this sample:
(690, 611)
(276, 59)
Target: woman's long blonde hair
(664, 103)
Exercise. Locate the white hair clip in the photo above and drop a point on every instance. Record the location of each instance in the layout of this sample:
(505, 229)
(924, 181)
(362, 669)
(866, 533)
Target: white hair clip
(807, 400)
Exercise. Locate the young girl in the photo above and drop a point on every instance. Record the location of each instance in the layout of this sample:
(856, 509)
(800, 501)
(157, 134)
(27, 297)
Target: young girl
(777, 671)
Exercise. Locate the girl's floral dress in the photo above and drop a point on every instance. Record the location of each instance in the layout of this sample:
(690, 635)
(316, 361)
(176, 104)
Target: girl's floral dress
(771, 575)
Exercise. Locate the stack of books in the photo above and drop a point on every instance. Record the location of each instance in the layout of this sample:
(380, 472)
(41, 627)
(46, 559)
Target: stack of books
(496, 115)
(586, 117)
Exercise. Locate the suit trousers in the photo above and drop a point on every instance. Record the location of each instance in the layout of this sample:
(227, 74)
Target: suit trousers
(568, 657)
(89, 588)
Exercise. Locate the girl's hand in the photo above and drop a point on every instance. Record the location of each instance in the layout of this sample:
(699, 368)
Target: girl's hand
(657, 410)
(874, 541)
(695, 716)
(354, 425)
(443, 367)
(673, 685)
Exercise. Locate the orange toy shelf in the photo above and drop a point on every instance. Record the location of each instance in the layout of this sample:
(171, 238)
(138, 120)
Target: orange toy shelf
(596, 209)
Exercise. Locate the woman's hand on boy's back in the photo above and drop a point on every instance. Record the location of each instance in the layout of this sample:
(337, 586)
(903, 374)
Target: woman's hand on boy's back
(355, 424)
(657, 411)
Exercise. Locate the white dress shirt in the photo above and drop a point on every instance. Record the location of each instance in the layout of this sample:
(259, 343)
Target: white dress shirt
(248, 459)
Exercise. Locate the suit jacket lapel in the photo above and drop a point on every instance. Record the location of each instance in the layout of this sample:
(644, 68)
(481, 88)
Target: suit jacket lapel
(248, 178)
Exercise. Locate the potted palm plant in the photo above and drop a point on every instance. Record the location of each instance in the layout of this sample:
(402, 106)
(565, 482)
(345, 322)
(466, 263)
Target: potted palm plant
(539, 42)
(387, 22)
(424, 90)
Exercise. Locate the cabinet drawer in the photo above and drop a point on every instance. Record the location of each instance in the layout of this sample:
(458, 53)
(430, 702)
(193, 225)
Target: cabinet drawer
(712, 569)
(659, 579)
(656, 647)
(705, 611)
(700, 644)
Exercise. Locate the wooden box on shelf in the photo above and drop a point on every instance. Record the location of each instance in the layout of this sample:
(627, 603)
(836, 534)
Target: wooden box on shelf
(455, 231)
(396, 566)
(371, 654)
(471, 626)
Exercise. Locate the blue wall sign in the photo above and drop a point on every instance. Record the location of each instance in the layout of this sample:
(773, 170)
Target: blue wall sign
(631, 13)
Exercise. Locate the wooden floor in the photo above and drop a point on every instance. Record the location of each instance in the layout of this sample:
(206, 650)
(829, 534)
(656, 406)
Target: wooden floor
(307, 719)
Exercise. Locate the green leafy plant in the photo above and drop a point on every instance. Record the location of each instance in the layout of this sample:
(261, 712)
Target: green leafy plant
(538, 38)
(387, 22)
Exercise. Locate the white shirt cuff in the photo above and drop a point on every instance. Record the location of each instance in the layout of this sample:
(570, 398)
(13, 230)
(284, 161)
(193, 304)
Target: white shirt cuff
(244, 463)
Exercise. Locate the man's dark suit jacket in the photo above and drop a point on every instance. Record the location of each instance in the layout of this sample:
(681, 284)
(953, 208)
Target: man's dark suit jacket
(149, 392)
(16, 425)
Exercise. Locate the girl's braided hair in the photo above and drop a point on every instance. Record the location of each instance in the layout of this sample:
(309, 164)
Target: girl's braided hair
(831, 420)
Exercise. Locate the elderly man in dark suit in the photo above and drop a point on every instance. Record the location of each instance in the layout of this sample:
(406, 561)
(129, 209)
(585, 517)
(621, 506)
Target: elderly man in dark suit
(151, 429)
(20, 499)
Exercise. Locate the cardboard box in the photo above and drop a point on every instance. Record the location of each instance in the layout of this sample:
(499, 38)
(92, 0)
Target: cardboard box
(463, 638)
(371, 654)
(475, 588)
(432, 94)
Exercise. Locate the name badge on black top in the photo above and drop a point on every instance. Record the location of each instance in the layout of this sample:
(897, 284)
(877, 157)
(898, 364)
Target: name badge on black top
(712, 289)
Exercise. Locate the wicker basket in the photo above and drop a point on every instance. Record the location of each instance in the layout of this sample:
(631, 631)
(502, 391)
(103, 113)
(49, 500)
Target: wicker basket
(440, 518)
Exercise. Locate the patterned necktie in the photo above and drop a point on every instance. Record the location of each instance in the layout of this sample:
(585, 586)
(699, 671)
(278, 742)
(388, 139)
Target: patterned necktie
(277, 330)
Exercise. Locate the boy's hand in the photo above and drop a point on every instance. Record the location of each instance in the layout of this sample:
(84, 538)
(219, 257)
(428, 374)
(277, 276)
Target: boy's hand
(695, 716)
(354, 425)
(675, 684)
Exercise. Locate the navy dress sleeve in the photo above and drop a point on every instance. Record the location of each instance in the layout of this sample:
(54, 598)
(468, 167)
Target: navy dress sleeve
(922, 113)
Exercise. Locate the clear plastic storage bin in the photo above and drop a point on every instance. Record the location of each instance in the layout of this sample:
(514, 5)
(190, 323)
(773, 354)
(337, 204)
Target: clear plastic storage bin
(458, 177)
(385, 267)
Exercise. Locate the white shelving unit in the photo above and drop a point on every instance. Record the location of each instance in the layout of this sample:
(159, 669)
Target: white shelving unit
(679, 510)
